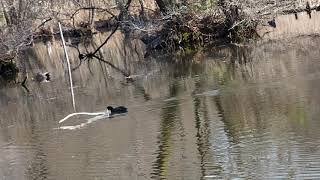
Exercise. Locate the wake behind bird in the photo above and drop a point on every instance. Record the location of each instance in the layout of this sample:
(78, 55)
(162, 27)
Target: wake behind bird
(105, 113)
(82, 125)
(109, 113)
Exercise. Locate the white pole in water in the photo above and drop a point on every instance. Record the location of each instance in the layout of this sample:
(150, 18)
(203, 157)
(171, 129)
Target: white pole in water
(69, 69)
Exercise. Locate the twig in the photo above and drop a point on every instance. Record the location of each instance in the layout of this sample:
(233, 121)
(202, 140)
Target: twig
(236, 24)
(69, 69)
(23, 84)
(44, 22)
(105, 42)
(113, 66)
(82, 113)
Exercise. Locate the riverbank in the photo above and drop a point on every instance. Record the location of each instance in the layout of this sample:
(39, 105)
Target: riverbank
(183, 26)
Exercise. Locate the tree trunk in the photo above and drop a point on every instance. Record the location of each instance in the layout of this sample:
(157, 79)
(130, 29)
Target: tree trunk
(162, 6)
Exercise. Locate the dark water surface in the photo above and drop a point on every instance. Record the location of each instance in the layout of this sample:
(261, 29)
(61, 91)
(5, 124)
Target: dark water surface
(228, 112)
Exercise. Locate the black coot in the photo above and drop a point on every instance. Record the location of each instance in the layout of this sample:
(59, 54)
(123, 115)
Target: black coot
(117, 110)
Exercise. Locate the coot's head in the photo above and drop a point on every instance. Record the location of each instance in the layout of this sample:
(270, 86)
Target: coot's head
(110, 108)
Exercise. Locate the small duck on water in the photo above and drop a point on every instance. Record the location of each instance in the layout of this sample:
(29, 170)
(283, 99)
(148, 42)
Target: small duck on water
(42, 77)
(116, 110)
(272, 23)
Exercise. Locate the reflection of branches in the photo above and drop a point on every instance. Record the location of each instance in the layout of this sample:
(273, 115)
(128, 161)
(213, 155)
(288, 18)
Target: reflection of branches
(228, 126)
(83, 57)
(113, 66)
(88, 56)
(23, 84)
(92, 55)
(89, 67)
(74, 46)
(105, 42)
(100, 63)
(168, 124)
(202, 127)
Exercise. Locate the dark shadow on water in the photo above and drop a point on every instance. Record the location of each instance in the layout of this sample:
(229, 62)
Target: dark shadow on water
(169, 120)
(202, 125)
(229, 127)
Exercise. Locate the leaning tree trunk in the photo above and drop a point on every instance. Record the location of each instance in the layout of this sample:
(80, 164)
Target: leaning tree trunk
(162, 6)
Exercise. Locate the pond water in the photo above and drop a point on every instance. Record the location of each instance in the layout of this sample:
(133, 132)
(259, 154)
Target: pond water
(226, 112)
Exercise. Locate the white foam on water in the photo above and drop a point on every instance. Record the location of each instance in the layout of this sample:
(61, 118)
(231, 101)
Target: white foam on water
(82, 125)
(85, 113)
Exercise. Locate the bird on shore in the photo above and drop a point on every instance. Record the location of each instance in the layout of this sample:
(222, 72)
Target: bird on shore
(272, 23)
(116, 110)
(42, 77)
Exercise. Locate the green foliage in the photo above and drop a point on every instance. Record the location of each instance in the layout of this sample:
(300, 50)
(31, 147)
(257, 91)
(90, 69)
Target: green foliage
(245, 31)
(191, 38)
(3, 21)
(204, 5)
